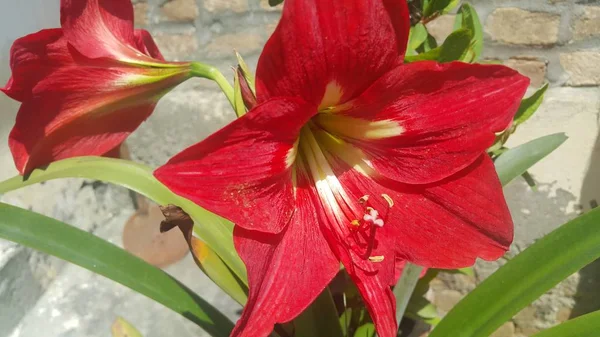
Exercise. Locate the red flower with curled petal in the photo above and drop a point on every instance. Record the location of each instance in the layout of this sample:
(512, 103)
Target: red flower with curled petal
(352, 156)
(86, 86)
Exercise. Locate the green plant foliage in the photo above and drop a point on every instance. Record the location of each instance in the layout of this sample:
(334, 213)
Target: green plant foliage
(515, 162)
(214, 267)
(90, 252)
(584, 326)
(467, 18)
(320, 319)
(524, 278)
(418, 36)
(210, 228)
(435, 8)
(529, 106)
(455, 48)
(365, 330)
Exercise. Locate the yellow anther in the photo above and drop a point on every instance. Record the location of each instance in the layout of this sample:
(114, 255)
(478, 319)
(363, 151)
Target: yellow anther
(369, 209)
(388, 199)
(355, 223)
(376, 259)
(363, 199)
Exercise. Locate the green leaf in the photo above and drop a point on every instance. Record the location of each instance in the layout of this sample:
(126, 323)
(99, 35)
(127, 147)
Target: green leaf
(418, 35)
(467, 271)
(345, 321)
(431, 55)
(210, 228)
(365, 330)
(455, 48)
(530, 105)
(584, 326)
(524, 278)
(214, 267)
(435, 8)
(429, 44)
(405, 288)
(274, 3)
(90, 252)
(518, 160)
(467, 18)
(320, 319)
(422, 308)
(122, 328)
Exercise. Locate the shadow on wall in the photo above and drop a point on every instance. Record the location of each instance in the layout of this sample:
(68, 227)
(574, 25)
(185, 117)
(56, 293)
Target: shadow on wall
(588, 291)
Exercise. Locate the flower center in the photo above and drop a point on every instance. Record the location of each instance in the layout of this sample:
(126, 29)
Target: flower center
(354, 220)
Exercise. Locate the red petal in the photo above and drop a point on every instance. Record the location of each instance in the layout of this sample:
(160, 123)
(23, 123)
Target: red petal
(86, 136)
(379, 298)
(145, 43)
(101, 29)
(286, 271)
(445, 116)
(243, 172)
(78, 111)
(344, 44)
(443, 225)
(34, 57)
(373, 279)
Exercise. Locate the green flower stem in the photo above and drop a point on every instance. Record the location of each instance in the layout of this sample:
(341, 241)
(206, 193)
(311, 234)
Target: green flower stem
(405, 287)
(212, 73)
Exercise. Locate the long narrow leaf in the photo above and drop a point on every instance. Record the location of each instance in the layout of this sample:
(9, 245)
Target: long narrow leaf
(516, 161)
(212, 229)
(530, 105)
(524, 278)
(584, 326)
(320, 319)
(88, 251)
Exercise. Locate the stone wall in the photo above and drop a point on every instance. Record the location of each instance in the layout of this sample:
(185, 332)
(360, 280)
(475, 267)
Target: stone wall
(554, 40)
(207, 30)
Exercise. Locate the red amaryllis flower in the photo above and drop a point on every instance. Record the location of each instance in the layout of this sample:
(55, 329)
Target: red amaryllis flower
(86, 86)
(353, 156)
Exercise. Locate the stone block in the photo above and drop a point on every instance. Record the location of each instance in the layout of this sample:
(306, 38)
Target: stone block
(179, 10)
(506, 330)
(441, 27)
(531, 67)
(244, 43)
(264, 4)
(521, 27)
(140, 13)
(583, 68)
(445, 300)
(223, 6)
(588, 24)
(176, 46)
